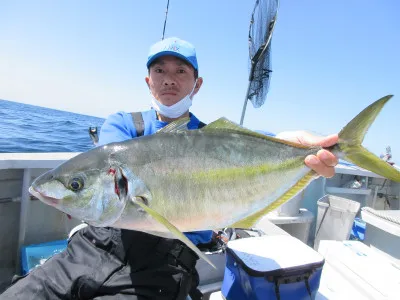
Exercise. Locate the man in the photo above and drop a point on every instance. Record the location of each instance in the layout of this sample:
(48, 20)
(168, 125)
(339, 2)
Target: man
(105, 263)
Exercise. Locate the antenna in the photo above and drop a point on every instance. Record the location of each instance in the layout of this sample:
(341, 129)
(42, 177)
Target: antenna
(388, 155)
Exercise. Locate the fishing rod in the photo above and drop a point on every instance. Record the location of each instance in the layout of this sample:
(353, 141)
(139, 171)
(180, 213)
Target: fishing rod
(165, 21)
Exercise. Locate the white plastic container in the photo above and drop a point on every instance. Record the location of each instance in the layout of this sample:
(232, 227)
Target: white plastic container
(353, 270)
(335, 218)
(297, 226)
(382, 232)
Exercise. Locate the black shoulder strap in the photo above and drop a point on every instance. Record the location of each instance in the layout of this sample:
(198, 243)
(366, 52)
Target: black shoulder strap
(201, 124)
(138, 123)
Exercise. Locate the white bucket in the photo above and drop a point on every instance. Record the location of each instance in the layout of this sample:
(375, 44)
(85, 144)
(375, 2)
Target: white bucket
(335, 218)
(297, 226)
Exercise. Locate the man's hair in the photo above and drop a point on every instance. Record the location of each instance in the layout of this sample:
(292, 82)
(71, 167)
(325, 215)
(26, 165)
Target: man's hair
(196, 72)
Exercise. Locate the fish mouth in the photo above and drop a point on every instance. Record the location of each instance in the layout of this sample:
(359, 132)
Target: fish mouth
(44, 198)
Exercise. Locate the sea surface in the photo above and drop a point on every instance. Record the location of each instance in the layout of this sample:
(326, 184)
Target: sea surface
(29, 128)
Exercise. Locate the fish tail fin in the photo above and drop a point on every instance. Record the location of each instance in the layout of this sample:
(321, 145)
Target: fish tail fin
(352, 135)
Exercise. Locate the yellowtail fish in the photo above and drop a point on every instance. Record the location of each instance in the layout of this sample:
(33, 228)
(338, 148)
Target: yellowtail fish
(180, 180)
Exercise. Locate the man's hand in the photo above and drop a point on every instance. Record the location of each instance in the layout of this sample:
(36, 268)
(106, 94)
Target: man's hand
(324, 161)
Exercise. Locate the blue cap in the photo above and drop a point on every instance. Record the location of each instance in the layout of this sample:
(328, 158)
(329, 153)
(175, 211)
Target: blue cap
(175, 47)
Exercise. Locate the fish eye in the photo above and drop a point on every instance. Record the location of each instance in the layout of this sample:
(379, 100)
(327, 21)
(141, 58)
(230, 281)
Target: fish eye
(76, 184)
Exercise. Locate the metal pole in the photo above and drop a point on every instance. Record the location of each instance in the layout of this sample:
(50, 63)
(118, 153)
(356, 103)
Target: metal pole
(25, 201)
(260, 52)
(245, 104)
(374, 199)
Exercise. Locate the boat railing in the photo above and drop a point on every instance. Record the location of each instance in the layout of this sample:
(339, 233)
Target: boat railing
(32, 165)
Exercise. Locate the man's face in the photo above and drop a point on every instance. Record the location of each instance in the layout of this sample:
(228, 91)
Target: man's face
(170, 79)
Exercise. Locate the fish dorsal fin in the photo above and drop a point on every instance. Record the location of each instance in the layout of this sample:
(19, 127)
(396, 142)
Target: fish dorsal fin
(175, 231)
(176, 126)
(225, 124)
(252, 220)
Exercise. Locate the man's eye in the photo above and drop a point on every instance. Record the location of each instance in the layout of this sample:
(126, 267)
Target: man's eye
(158, 70)
(181, 71)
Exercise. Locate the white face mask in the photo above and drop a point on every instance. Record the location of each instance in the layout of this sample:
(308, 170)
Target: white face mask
(176, 110)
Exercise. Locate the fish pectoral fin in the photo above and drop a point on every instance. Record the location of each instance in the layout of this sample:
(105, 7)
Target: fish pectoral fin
(175, 231)
(175, 126)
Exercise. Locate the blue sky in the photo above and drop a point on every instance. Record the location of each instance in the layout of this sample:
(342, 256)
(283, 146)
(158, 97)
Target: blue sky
(330, 59)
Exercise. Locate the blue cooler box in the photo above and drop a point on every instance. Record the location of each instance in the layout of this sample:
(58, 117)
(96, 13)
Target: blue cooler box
(35, 255)
(358, 230)
(271, 267)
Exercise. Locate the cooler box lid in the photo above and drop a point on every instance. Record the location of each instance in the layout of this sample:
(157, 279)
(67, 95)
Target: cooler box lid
(355, 271)
(272, 254)
(386, 220)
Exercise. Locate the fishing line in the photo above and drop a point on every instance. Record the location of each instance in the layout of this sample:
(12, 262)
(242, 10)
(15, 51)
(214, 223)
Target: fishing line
(165, 21)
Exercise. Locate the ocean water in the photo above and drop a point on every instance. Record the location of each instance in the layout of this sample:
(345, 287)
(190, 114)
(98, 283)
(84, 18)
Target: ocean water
(29, 128)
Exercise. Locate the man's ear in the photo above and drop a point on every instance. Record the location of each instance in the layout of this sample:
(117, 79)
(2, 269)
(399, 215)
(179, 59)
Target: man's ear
(147, 79)
(199, 83)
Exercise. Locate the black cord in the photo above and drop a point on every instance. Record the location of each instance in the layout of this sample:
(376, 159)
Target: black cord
(308, 286)
(165, 21)
(277, 293)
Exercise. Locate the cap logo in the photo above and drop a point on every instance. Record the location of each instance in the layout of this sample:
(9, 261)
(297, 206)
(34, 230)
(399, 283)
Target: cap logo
(173, 47)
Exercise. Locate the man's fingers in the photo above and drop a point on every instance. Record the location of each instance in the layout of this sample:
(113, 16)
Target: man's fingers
(324, 162)
(323, 141)
(319, 166)
(307, 139)
(327, 158)
(329, 140)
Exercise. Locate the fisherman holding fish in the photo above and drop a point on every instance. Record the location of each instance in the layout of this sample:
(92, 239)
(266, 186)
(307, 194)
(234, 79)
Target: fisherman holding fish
(106, 261)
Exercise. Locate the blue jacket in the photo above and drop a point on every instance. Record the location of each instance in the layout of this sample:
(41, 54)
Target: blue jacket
(119, 127)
